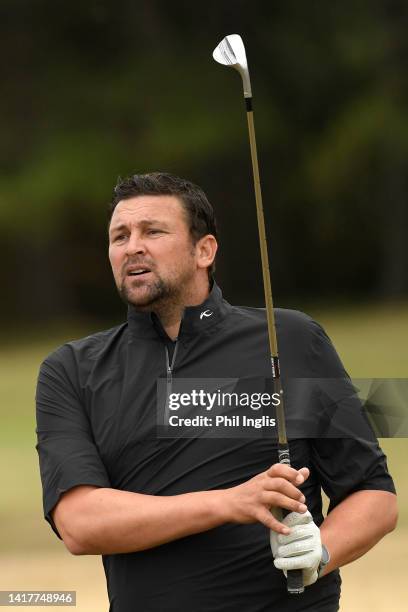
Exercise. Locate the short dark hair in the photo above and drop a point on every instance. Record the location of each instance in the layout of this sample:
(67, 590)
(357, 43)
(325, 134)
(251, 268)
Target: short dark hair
(199, 212)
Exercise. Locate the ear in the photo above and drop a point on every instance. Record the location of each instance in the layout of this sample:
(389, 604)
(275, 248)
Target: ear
(206, 249)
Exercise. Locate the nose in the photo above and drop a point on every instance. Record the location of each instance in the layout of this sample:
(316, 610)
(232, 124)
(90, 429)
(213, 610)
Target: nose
(135, 245)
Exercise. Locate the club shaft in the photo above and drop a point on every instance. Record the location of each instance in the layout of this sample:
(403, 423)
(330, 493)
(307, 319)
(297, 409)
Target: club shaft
(231, 52)
(295, 577)
(273, 344)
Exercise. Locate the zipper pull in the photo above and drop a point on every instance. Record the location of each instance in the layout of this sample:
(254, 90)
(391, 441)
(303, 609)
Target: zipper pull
(168, 365)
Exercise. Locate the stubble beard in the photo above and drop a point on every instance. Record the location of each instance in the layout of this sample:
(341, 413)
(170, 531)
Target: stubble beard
(160, 295)
(154, 293)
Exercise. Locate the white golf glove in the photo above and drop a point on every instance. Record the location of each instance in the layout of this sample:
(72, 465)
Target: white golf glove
(301, 549)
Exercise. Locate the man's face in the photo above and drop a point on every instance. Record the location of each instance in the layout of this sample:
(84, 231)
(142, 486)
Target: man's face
(151, 251)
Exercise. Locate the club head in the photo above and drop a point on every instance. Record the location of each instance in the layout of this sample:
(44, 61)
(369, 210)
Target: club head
(231, 52)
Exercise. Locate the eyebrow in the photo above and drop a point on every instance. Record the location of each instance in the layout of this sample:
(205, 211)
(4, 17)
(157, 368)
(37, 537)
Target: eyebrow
(143, 223)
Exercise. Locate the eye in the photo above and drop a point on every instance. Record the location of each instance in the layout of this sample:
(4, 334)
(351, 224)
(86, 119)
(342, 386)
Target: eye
(154, 231)
(119, 238)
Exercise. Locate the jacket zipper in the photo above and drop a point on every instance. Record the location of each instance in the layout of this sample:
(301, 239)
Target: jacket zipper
(169, 366)
(169, 372)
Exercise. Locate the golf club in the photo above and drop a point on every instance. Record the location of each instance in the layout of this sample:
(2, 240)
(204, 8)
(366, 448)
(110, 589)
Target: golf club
(231, 52)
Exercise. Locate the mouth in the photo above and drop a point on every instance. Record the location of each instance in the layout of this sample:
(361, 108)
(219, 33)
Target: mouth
(137, 271)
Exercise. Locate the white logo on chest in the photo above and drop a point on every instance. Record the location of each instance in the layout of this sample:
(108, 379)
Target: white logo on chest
(206, 313)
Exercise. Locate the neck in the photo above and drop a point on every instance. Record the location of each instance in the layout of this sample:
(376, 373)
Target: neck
(170, 315)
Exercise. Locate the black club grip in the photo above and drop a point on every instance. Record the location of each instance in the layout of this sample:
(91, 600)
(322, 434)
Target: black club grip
(295, 577)
(295, 582)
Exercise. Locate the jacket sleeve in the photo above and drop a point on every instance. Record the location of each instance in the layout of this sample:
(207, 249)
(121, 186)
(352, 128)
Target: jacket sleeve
(349, 458)
(67, 452)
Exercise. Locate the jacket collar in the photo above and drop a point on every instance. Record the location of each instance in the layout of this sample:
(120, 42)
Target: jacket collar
(196, 319)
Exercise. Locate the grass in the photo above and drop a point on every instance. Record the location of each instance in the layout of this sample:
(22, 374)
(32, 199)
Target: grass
(371, 341)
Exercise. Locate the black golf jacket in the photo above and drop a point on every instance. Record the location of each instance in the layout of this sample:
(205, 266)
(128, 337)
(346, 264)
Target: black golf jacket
(97, 406)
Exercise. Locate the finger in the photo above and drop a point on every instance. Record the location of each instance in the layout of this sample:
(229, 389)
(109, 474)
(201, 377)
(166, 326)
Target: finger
(283, 471)
(304, 473)
(295, 549)
(266, 518)
(285, 487)
(298, 533)
(291, 563)
(274, 498)
(294, 518)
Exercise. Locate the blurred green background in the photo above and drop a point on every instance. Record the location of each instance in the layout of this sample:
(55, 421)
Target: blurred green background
(96, 90)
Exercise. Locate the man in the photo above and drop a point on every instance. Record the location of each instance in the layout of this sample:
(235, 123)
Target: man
(182, 523)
